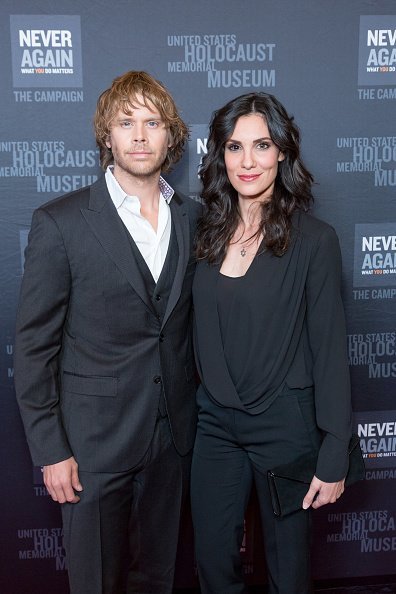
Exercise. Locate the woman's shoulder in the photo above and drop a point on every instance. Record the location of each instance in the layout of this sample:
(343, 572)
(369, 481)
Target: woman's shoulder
(319, 238)
(312, 227)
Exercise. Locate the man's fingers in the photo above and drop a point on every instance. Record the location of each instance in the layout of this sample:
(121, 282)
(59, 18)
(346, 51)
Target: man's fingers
(75, 480)
(61, 479)
(61, 492)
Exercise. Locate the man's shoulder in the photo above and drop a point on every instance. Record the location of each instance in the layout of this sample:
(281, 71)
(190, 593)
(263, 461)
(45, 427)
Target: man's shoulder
(70, 202)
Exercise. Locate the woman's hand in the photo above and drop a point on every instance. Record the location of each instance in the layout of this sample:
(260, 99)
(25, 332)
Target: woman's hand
(321, 493)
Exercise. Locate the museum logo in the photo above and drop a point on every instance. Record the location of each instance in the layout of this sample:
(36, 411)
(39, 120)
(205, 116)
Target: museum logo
(377, 50)
(375, 255)
(377, 432)
(46, 51)
(224, 59)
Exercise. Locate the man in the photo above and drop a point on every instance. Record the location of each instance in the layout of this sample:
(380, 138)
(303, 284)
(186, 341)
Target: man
(104, 370)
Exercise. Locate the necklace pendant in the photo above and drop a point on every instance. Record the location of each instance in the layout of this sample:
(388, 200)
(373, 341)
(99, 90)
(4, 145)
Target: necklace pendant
(243, 252)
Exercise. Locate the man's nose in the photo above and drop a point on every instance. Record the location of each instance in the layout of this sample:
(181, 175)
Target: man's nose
(139, 132)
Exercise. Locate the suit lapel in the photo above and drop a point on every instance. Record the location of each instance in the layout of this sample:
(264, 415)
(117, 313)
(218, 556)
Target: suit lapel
(182, 230)
(102, 217)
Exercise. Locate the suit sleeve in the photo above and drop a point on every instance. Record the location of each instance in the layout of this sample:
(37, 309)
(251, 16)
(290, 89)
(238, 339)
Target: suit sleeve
(327, 336)
(40, 323)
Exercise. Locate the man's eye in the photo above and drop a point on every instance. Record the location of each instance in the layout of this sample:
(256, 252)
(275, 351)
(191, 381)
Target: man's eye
(153, 124)
(126, 124)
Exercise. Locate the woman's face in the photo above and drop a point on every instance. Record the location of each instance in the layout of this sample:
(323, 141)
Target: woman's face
(251, 158)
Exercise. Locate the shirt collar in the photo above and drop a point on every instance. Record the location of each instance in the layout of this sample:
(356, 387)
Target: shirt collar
(118, 195)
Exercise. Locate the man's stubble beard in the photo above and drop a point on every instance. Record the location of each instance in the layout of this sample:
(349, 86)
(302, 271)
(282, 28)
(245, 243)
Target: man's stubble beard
(141, 169)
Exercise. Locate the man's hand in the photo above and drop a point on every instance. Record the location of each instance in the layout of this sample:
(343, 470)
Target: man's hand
(62, 481)
(321, 493)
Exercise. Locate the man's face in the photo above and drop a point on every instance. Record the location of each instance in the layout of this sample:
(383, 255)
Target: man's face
(139, 141)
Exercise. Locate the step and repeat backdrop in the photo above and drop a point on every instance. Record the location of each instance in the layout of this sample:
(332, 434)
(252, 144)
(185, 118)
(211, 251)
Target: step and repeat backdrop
(333, 65)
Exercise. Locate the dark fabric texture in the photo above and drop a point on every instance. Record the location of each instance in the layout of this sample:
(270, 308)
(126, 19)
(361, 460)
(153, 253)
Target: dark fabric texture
(93, 356)
(291, 308)
(232, 450)
(122, 536)
(104, 372)
(289, 483)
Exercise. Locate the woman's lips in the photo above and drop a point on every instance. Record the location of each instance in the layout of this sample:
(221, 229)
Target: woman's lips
(248, 178)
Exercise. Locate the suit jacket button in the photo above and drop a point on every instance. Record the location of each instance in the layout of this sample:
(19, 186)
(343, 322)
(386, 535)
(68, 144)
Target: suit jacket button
(158, 297)
(157, 379)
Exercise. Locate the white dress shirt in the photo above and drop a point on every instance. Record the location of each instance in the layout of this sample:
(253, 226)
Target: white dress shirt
(153, 245)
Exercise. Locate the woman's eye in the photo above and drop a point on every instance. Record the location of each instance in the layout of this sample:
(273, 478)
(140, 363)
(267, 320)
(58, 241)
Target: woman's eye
(233, 147)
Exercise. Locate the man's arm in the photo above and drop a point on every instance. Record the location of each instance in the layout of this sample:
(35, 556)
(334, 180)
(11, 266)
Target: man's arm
(41, 317)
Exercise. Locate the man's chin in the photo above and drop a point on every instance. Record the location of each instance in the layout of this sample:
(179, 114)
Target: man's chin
(145, 173)
(142, 170)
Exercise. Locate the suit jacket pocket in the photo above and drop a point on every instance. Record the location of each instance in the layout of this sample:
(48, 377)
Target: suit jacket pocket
(89, 385)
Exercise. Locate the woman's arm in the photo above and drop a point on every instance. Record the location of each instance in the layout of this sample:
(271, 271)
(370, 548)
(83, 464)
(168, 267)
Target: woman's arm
(327, 337)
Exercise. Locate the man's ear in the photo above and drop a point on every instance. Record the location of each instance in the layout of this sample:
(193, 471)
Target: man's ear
(170, 139)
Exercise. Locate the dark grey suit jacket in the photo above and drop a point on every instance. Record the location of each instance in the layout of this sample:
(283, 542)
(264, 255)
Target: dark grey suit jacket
(91, 355)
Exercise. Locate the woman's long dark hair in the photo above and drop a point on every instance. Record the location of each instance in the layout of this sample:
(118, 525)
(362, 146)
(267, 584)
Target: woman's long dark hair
(292, 187)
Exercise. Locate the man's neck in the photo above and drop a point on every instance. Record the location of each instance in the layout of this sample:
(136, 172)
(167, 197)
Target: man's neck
(146, 188)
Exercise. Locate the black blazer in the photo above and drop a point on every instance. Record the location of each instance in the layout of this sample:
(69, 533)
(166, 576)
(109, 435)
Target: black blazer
(91, 355)
(291, 308)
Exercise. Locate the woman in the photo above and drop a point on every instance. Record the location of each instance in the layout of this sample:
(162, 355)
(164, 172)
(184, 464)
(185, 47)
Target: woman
(270, 345)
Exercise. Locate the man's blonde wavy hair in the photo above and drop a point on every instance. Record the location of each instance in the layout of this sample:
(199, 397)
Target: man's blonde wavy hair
(123, 95)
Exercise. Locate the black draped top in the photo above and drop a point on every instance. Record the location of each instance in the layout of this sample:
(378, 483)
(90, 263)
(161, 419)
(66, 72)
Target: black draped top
(283, 326)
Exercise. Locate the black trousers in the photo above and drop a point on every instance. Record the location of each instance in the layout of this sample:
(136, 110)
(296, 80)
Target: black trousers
(122, 536)
(232, 450)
